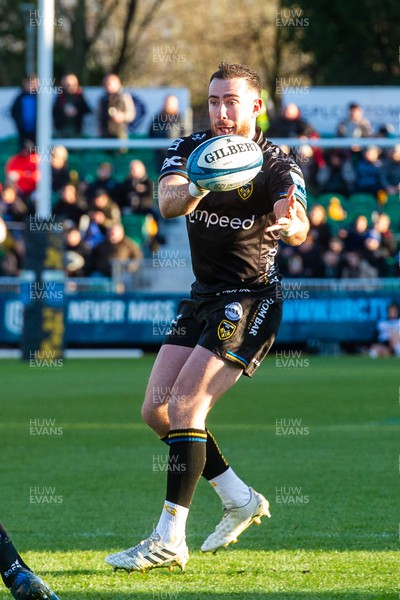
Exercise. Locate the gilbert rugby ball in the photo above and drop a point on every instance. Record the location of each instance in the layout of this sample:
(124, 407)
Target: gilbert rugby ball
(224, 163)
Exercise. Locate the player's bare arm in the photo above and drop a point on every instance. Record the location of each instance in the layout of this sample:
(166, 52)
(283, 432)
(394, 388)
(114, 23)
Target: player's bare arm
(291, 219)
(175, 198)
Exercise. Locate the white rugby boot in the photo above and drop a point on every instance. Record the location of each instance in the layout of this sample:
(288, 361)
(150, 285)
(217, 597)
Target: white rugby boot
(235, 521)
(151, 553)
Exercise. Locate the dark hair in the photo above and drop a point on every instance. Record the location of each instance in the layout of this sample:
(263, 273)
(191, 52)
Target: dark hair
(353, 105)
(232, 71)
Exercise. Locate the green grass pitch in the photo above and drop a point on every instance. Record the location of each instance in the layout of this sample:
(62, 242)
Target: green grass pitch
(320, 440)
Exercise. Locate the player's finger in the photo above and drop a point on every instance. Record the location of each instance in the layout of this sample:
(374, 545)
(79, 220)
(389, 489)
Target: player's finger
(291, 202)
(280, 225)
(290, 192)
(276, 228)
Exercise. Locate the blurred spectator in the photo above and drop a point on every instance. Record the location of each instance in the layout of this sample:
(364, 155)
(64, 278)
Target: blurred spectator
(135, 194)
(335, 209)
(103, 213)
(94, 233)
(388, 334)
(103, 210)
(70, 207)
(3, 231)
(295, 266)
(11, 252)
(140, 113)
(168, 124)
(76, 253)
(375, 254)
(386, 131)
(116, 246)
(369, 172)
(308, 160)
(382, 228)
(356, 267)
(319, 228)
(391, 171)
(289, 124)
(337, 175)
(332, 264)
(22, 169)
(69, 108)
(24, 109)
(104, 181)
(116, 109)
(311, 257)
(60, 174)
(355, 236)
(355, 125)
(12, 206)
(335, 258)
(380, 246)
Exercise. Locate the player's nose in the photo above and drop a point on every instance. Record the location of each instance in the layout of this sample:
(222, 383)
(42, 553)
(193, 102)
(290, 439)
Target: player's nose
(222, 111)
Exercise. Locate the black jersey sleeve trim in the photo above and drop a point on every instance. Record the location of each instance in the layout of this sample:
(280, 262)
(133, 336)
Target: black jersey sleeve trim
(174, 172)
(302, 201)
(299, 198)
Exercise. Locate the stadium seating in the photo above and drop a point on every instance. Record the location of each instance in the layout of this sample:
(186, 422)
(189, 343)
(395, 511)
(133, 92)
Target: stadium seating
(135, 227)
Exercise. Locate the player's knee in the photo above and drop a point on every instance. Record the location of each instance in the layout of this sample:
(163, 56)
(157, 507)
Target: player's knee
(183, 412)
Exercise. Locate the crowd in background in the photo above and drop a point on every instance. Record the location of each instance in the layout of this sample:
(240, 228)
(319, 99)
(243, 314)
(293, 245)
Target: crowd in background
(358, 251)
(92, 212)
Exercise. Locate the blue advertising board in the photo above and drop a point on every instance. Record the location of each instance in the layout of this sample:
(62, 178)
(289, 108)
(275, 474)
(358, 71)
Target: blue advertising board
(143, 318)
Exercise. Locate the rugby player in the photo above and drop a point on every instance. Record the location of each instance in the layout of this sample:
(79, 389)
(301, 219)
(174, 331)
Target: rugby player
(229, 323)
(17, 576)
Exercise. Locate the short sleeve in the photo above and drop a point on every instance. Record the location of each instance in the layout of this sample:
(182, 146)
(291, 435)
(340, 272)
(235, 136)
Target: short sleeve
(177, 157)
(283, 175)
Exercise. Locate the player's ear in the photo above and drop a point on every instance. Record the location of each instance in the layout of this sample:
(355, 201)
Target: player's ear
(257, 106)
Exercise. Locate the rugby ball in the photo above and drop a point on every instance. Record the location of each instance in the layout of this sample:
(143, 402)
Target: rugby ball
(224, 163)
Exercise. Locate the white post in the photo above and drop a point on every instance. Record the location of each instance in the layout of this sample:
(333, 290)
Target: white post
(45, 100)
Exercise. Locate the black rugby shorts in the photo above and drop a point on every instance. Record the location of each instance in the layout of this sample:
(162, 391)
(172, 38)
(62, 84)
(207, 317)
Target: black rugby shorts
(240, 327)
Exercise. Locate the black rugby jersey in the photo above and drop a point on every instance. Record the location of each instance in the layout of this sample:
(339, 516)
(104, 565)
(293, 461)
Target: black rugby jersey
(228, 242)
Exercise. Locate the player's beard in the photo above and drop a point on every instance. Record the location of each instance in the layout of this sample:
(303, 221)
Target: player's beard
(244, 129)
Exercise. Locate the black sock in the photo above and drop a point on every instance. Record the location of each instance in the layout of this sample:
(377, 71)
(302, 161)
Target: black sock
(10, 560)
(187, 456)
(216, 463)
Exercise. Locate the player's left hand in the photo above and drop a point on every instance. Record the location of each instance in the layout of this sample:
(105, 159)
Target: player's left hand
(285, 211)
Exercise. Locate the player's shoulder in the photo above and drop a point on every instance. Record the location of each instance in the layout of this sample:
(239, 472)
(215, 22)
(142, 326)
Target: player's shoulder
(190, 142)
(280, 167)
(276, 159)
